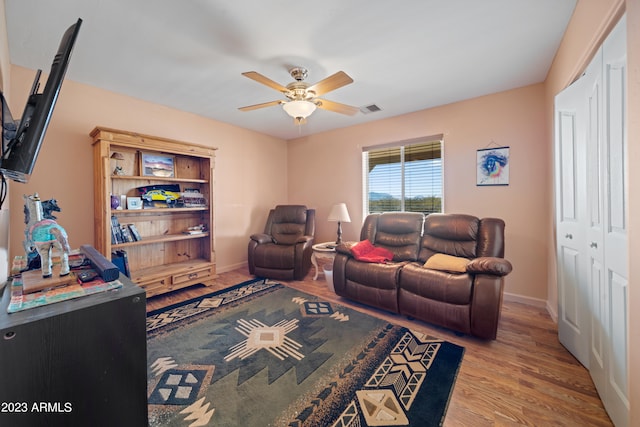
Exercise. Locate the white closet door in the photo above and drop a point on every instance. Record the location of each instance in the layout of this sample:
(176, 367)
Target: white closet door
(595, 212)
(571, 220)
(612, 380)
(591, 221)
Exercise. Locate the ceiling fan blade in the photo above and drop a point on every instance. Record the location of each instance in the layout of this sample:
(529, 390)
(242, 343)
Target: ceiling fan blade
(332, 82)
(254, 75)
(336, 107)
(263, 105)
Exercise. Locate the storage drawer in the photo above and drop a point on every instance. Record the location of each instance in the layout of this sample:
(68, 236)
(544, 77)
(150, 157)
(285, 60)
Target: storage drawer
(155, 286)
(189, 276)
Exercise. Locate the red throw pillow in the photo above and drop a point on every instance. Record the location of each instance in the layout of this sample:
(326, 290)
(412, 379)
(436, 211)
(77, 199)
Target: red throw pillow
(365, 251)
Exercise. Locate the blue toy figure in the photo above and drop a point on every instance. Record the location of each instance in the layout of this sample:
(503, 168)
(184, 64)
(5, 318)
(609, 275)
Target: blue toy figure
(43, 235)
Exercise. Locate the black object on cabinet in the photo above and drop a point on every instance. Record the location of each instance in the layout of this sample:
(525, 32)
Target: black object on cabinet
(80, 362)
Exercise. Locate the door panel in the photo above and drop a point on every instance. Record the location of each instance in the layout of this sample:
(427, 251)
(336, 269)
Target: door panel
(618, 315)
(616, 149)
(570, 296)
(615, 392)
(567, 166)
(595, 233)
(571, 222)
(598, 310)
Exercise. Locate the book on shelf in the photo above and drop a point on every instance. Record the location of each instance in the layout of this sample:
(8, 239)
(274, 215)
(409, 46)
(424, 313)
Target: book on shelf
(116, 231)
(120, 259)
(192, 198)
(198, 229)
(134, 232)
(126, 234)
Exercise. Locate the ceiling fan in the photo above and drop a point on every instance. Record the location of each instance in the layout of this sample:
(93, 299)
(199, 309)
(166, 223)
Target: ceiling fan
(302, 97)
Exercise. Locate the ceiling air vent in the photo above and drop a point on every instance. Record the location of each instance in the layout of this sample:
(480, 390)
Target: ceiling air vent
(370, 109)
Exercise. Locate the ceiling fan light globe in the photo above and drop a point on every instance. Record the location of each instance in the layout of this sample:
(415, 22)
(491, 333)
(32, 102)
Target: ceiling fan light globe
(297, 109)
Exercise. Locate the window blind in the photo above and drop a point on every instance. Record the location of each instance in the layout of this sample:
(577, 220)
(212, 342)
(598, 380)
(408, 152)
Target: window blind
(404, 176)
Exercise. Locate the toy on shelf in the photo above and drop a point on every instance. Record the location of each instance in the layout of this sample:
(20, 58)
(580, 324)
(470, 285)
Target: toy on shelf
(43, 234)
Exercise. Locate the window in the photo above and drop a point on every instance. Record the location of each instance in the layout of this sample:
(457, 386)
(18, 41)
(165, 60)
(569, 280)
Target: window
(405, 176)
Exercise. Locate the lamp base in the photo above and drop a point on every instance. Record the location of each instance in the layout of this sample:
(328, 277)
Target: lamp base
(339, 239)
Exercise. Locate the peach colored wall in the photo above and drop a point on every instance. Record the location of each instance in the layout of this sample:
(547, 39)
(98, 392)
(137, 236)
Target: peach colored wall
(4, 86)
(4, 50)
(326, 169)
(633, 135)
(244, 188)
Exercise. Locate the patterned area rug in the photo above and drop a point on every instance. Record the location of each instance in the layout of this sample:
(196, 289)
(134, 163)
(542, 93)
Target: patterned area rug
(262, 354)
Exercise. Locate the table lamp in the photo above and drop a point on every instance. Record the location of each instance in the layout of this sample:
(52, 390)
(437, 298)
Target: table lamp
(340, 214)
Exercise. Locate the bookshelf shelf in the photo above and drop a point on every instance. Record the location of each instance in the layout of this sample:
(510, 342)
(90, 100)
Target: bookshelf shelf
(165, 258)
(160, 239)
(153, 179)
(155, 211)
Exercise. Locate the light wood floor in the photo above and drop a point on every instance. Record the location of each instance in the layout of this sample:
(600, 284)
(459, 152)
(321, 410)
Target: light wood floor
(525, 377)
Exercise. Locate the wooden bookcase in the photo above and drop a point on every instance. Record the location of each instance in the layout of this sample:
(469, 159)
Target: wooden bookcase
(166, 258)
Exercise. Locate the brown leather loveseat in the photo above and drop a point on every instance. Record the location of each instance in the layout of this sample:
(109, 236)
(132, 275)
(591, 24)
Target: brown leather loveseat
(447, 269)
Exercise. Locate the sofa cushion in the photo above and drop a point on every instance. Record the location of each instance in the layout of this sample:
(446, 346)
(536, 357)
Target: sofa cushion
(451, 234)
(398, 232)
(274, 256)
(289, 223)
(380, 276)
(436, 285)
(443, 262)
(286, 234)
(365, 251)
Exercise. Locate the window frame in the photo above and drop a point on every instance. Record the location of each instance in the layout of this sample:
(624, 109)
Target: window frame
(402, 146)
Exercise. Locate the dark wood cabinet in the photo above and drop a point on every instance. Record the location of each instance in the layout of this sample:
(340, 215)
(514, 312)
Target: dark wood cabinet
(80, 362)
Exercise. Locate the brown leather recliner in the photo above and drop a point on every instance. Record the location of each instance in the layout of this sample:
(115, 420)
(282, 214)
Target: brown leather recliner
(468, 300)
(283, 250)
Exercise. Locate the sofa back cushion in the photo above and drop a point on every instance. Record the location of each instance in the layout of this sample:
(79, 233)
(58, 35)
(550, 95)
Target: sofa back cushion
(287, 223)
(451, 234)
(462, 236)
(398, 232)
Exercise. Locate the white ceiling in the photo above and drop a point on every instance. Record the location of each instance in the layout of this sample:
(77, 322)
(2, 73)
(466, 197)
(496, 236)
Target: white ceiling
(404, 56)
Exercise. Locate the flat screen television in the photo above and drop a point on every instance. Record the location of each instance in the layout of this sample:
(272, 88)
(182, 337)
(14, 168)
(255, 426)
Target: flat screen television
(21, 144)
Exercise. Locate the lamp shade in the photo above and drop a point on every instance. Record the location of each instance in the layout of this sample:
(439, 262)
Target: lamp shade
(298, 109)
(339, 213)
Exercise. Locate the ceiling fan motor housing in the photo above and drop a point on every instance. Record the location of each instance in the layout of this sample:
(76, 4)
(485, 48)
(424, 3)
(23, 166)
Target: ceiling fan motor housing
(299, 73)
(298, 92)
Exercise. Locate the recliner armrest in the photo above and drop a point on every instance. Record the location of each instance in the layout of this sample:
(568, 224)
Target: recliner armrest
(489, 265)
(345, 248)
(261, 238)
(304, 239)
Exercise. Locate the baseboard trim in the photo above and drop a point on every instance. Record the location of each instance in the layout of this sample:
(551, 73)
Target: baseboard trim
(534, 302)
(553, 312)
(228, 268)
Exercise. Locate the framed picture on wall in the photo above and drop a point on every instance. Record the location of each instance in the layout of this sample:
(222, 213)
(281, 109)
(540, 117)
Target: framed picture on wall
(153, 164)
(492, 166)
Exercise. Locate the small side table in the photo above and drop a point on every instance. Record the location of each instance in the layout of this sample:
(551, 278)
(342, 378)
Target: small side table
(322, 250)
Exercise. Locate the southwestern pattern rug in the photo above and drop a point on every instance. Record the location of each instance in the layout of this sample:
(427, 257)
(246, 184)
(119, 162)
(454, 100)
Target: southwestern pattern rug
(262, 354)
